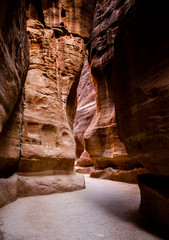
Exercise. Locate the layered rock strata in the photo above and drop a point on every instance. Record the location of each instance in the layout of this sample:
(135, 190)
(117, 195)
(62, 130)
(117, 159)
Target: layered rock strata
(120, 167)
(101, 136)
(39, 136)
(86, 109)
(142, 96)
(14, 62)
(142, 84)
(57, 48)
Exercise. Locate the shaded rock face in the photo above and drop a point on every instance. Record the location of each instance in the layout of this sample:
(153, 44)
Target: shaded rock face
(154, 200)
(57, 34)
(141, 84)
(101, 137)
(86, 108)
(142, 99)
(14, 62)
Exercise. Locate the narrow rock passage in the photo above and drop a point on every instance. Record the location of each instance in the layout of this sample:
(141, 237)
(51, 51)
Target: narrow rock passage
(105, 210)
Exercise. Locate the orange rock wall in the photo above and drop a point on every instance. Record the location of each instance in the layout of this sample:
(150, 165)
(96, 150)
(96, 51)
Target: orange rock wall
(86, 108)
(57, 37)
(101, 137)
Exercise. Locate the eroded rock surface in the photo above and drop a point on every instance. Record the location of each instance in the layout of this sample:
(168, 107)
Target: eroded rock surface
(155, 199)
(142, 99)
(14, 55)
(14, 62)
(101, 137)
(38, 136)
(142, 90)
(86, 109)
(18, 186)
(57, 36)
(130, 176)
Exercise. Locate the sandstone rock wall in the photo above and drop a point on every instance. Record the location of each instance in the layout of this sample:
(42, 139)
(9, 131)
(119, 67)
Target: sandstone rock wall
(101, 137)
(86, 108)
(57, 36)
(142, 99)
(14, 62)
(141, 84)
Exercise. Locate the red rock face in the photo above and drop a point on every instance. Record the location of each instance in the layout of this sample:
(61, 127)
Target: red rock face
(14, 62)
(86, 108)
(142, 86)
(57, 50)
(101, 137)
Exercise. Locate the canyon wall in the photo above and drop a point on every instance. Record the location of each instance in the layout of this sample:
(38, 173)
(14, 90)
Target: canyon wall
(141, 84)
(86, 108)
(37, 140)
(14, 62)
(101, 136)
(142, 99)
(57, 50)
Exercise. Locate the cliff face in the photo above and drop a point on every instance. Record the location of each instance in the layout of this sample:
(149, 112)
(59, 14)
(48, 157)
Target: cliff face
(101, 137)
(57, 39)
(128, 62)
(141, 84)
(86, 108)
(142, 99)
(37, 139)
(14, 62)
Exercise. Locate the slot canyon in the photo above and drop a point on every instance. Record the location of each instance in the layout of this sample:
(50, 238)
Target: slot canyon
(84, 125)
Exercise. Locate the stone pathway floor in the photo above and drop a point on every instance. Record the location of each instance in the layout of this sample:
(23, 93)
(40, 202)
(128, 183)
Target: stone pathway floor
(105, 210)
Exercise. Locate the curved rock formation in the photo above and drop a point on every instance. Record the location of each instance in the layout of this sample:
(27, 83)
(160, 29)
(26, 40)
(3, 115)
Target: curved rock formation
(142, 99)
(57, 36)
(14, 62)
(39, 135)
(86, 108)
(101, 137)
(141, 83)
(14, 55)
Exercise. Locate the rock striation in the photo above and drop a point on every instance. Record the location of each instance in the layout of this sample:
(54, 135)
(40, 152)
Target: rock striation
(101, 137)
(86, 109)
(142, 98)
(57, 37)
(37, 140)
(14, 62)
(120, 167)
(141, 84)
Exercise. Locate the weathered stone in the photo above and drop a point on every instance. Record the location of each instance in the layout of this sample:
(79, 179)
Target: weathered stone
(57, 55)
(101, 137)
(86, 108)
(10, 142)
(84, 160)
(14, 62)
(142, 99)
(76, 16)
(155, 199)
(83, 170)
(14, 55)
(8, 190)
(129, 176)
(42, 185)
(141, 84)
